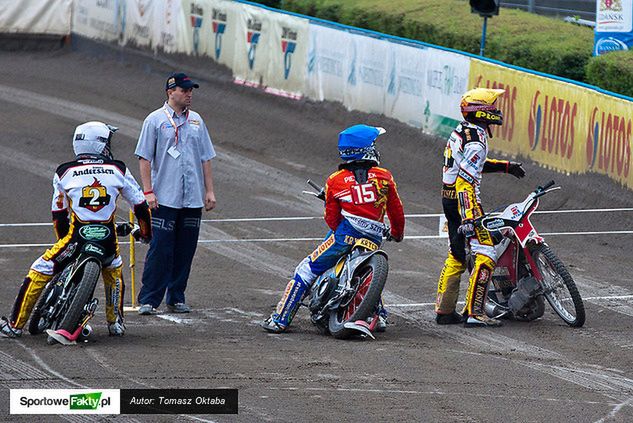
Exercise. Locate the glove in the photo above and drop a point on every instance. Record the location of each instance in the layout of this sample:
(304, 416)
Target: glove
(516, 169)
(467, 228)
(123, 229)
(136, 233)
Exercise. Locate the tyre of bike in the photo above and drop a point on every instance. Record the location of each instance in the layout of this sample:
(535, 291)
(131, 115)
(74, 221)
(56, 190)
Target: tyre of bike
(83, 294)
(372, 276)
(39, 323)
(560, 289)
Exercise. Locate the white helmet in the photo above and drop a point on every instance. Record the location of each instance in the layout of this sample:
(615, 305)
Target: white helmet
(93, 138)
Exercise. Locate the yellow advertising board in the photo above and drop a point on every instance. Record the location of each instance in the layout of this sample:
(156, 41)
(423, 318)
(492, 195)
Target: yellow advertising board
(561, 125)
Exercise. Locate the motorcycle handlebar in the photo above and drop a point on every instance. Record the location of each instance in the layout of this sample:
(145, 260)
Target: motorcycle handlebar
(541, 190)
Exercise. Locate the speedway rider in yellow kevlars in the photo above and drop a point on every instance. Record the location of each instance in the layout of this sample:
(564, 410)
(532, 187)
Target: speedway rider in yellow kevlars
(465, 160)
(85, 195)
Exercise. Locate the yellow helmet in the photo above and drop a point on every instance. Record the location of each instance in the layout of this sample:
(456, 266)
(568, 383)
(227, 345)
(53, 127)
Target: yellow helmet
(478, 106)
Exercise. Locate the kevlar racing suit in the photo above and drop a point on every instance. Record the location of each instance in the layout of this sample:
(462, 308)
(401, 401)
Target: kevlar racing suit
(85, 193)
(465, 159)
(357, 197)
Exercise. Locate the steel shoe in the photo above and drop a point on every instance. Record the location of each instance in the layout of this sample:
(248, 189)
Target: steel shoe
(482, 321)
(271, 326)
(7, 330)
(116, 329)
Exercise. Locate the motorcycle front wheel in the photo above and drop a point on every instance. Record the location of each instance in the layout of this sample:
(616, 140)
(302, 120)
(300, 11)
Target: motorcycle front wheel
(370, 279)
(40, 320)
(559, 288)
(83, 294)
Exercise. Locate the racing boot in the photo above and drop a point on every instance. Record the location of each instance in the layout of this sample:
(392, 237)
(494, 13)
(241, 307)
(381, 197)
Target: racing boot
(477, 292)
(7, 330)
(449, 319)
(448, 288)
(288, 305)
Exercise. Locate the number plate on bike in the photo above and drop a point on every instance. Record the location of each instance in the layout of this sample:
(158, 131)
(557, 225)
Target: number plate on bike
(365, 243)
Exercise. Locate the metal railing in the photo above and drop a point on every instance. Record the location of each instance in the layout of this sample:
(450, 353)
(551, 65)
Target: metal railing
(583, 9)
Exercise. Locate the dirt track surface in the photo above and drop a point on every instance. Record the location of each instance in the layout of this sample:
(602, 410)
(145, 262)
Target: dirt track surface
(267, 148)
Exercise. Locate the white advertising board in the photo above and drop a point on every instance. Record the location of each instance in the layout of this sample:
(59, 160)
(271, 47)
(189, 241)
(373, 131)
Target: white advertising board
(35, 17)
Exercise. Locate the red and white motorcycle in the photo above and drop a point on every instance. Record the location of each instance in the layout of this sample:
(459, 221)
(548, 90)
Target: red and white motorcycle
(527, 269)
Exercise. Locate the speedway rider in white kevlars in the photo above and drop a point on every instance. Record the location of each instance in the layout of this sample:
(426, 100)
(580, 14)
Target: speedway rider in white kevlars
(465, 160)
(85, 193)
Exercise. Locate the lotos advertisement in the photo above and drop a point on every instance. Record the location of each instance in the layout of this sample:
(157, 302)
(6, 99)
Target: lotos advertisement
(562, 125)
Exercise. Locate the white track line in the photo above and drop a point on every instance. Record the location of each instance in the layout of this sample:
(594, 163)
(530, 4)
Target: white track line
(408, 237)
(615, 297)
(293, 218)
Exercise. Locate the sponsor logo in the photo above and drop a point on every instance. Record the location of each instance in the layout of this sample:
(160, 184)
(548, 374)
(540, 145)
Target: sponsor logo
(196, 13)
(494, 224)
(607, 44)
(515, 212)
(141, 30)
(167, 39)
(446, 81)
(491, 117)
(69, 251)
(218, 19)
(94, 232)
(466, 177)
(365, 243)
(288, 46)
(92, 248)
(94, 197)
(93, 171)
(552, 124)
(608, 143)
(253, 35)
(322, 248)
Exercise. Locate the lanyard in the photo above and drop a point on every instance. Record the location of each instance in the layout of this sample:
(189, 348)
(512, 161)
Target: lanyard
(171, 120)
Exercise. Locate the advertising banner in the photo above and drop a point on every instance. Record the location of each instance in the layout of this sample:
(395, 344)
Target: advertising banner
(198, 39)
(100, 19)
(328, 63)
(139, 20)
(253, 41)
(168, 26)
(561, 125)
(223, 16)
(288, 45)
(614, 26)
(35, 17)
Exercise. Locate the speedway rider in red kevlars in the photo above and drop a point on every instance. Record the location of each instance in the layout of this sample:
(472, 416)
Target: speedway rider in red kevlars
(465, 160)
(85, 193)
(357, 196)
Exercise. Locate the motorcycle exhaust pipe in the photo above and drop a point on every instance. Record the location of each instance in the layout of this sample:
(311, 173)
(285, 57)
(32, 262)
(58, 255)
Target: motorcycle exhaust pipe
(492, 310)
(86, 331)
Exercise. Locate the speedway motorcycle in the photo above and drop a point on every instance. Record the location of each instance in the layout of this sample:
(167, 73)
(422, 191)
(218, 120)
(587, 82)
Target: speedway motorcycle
(347, 296)
(527, 270)
(67, 303)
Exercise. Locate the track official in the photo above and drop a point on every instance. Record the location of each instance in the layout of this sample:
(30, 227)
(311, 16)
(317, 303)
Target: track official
(175, 152)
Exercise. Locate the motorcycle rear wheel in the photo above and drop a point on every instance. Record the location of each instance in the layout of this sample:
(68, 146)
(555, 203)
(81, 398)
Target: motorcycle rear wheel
(83, 294)
(372, 278)
(560, 289)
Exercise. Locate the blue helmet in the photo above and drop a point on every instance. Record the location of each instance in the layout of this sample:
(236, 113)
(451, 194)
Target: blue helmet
(358, 143)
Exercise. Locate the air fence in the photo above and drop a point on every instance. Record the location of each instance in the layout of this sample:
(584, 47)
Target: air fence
(561, 124)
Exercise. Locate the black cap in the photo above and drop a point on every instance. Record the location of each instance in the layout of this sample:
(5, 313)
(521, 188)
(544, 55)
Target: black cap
(180, 80)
